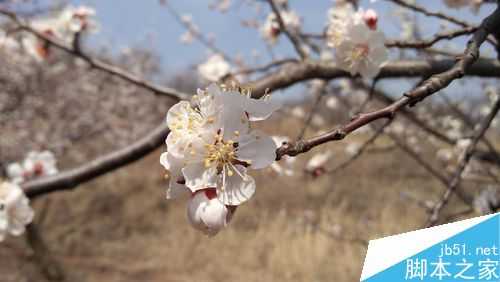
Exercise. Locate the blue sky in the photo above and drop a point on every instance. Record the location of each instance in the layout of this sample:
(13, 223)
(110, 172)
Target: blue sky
(147, 24)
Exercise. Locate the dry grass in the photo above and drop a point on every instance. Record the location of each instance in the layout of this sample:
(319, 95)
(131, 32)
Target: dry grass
(121, 228)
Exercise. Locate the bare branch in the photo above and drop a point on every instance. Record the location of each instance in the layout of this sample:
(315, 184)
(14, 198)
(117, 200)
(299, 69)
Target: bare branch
(420, 44)
(95, 63)
(292, 73)
(71, 178)
(426, 12)
(457, 176)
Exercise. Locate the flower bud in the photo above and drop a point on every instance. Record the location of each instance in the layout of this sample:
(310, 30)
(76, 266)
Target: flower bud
(370, 17)
(206, 213)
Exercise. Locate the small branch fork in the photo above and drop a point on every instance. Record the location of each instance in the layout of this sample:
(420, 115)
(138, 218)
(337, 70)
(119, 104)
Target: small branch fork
(439, 15)
(411, 98)
(426, 12)
(420, 44)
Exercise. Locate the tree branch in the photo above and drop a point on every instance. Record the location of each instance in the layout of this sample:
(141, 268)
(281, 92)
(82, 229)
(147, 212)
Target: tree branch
(411, 98)
(71, 178)
(291, 73)
(457, 176)
(429, 42)
(295, 41)
(95, 63)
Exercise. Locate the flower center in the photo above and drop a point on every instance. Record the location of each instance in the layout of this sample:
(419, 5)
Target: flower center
(221, 153)
(360, 52)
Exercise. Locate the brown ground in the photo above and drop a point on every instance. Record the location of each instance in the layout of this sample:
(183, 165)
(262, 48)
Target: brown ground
(120, 227)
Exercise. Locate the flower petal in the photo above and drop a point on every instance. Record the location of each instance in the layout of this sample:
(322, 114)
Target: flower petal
(257, 148)
(176, 113)
(261, 109)
(236, 189)
(198, 177)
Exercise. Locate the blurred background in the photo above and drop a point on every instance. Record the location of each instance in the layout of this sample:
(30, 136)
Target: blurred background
(312, 216)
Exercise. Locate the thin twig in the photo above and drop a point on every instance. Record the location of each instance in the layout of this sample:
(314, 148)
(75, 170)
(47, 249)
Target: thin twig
(265, 67)
(320, 91)
(457, 176)
(466, 198)
(95, 63)
(438, 15)
(411, 98)
(196, 33)
(293, 38)
(420, 44)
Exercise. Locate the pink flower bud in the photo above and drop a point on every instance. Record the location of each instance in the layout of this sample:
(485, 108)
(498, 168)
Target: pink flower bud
(206, 213)
(370, 17)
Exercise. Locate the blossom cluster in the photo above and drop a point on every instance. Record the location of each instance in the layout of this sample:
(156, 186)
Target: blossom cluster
(63, 26)
(359, 46)
(210, 148)
(36, 164)
(271, 29)
(15, 211)
(214, 69)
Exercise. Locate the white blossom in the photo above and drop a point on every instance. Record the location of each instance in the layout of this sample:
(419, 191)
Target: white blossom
(363, 52)
(444, 155)
(221, 5)
(298, 112)
(217, 145)
(214, 68)
(359, 46)
(342, 18)
(318, 161)
(332, 103)
(63, 26)
(36, 164)
(206, 213)
(270, 30)
(317, 120)
(15, 211)
(397, 128)
(8, 43)
(461, 146)
(187, 37)
(352, 148)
